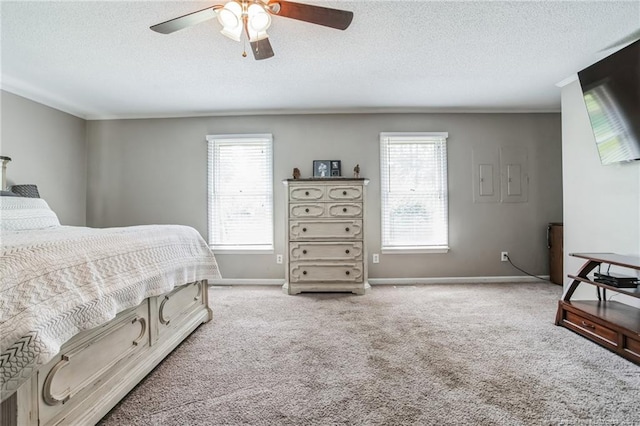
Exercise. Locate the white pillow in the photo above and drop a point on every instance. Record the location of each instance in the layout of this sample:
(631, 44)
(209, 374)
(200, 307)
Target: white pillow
(19, 214)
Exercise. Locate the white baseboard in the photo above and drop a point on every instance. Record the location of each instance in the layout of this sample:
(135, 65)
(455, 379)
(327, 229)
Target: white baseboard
(246, 281)
(455, 280)
(392, 281)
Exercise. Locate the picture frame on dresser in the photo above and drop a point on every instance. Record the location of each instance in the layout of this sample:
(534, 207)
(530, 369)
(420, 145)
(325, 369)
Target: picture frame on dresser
(321, 168)
(335, 168)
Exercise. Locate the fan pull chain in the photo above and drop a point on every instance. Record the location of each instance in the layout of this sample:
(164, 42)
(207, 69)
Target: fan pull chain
(244, 47)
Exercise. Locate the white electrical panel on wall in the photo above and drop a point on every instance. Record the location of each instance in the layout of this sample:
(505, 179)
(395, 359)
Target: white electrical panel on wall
(500, 175)
(514, 177)
(486, 176)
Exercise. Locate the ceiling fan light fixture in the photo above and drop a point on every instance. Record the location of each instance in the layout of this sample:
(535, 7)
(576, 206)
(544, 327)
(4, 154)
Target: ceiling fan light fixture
(259, 19)
(254, 17)
(230, 15)
(227, 18)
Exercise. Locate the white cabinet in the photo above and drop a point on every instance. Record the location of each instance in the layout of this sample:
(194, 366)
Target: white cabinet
(325, 236)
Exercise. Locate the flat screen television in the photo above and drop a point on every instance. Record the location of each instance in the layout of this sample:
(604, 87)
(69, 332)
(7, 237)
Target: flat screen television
(611, 92)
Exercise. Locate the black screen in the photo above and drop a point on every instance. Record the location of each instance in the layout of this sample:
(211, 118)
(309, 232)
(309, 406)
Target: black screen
(611, 91)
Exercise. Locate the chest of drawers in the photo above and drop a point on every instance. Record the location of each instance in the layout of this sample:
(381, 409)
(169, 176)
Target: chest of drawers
(325, 236)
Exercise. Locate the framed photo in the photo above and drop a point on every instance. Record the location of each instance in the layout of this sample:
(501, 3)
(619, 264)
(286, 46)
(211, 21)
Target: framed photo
(335, 167)
(322, 168)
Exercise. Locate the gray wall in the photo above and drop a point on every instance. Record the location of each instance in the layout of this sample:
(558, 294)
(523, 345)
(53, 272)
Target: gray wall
(154, 171)
(601, 203)
(48, 148)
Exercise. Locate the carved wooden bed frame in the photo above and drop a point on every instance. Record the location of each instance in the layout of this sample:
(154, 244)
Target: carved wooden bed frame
(95, 369)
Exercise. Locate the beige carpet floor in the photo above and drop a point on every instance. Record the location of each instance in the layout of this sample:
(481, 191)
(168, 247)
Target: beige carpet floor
(482, 354)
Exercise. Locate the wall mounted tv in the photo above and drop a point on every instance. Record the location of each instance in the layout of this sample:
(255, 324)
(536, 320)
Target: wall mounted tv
(611, 92)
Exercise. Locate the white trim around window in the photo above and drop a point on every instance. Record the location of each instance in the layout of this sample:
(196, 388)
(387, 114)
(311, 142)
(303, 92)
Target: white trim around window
(240, 193)
(414, 192)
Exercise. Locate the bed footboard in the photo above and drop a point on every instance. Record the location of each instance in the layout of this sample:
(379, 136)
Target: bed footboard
(97, 368)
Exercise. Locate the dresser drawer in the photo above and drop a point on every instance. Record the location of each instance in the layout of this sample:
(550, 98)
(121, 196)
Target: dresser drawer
(328, 210)
(302, 210)
(632, 345)
(344, 193)
(88, 360)
(337, 229)
(593, 329)
(325, 251)
(344, 209)
(326, 272)
(306, 193)
(177, 306)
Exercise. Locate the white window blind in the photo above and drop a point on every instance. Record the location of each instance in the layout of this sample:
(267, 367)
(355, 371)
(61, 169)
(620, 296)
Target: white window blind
(413, 183)
(240, 192)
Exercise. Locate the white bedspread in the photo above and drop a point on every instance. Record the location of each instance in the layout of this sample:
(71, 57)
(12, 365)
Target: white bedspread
(59, 281)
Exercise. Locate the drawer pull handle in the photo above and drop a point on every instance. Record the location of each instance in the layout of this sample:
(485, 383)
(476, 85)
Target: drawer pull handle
(306, 193)
(306, 210)
(584, 324)
(344, 192)
(346, 229)
(344, 209)
(304, 272)
(347, 251)
(304, 229)
(304, 252)
(347, 272)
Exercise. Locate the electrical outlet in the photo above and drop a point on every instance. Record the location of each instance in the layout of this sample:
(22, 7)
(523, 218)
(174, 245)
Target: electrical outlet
(504, 256)
(278, 258)
(376, 258)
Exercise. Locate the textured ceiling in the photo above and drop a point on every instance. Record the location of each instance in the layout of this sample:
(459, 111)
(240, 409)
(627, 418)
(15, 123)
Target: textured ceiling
(99, 59)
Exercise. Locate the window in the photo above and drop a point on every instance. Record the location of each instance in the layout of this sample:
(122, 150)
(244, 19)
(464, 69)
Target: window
(240, 192)
(413, 186)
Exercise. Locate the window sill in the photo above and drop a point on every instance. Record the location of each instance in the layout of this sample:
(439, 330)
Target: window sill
(414, 249)
(242, 250)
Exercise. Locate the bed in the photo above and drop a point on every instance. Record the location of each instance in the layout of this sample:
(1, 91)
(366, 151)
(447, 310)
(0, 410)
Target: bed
(86, 313)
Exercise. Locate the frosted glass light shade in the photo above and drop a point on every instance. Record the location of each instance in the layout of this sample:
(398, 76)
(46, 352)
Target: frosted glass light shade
(259, 19)
(227, 18)
(230, 17)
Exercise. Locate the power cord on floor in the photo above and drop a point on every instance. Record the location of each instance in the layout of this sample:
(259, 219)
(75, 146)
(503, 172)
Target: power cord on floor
(522, 270)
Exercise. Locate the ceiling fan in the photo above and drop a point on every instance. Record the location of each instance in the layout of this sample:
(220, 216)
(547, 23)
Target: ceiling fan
(254, 17)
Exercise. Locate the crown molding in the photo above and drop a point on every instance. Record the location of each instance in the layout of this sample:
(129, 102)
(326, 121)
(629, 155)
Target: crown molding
(326, 111)
(20, 88)
(566, 81)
